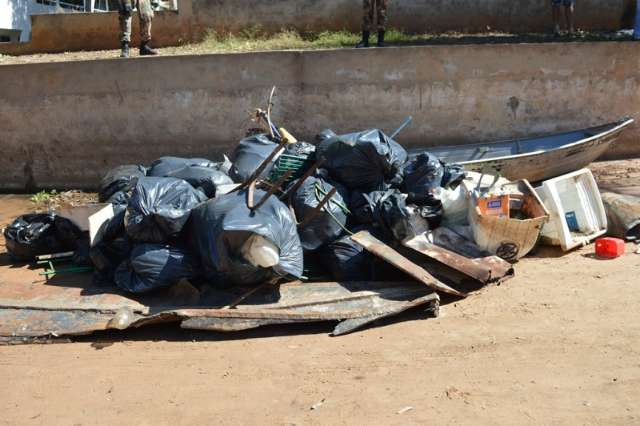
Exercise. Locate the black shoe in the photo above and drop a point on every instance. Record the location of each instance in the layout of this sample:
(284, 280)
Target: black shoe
(365, 40)
(381, 38)
(124, 53)
(145, 49)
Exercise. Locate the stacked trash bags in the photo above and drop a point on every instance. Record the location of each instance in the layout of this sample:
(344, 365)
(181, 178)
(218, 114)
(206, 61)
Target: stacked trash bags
(187, 219)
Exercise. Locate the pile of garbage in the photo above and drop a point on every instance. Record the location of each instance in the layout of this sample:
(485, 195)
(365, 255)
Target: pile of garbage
(347, 207)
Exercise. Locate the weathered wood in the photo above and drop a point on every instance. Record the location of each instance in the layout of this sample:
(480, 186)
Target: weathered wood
(377, 247)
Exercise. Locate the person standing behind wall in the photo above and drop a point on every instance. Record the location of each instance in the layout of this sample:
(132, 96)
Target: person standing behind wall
(371, 8)
(145, 14)
(569, 6)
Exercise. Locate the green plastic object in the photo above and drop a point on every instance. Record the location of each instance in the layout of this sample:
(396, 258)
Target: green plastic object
(285, 162)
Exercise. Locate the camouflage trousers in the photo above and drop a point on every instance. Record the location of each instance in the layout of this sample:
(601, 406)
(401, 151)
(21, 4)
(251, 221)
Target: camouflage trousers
(372, 8)
(145, 14)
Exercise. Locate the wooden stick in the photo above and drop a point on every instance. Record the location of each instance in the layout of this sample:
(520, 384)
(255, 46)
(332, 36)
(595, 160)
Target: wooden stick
(274, 187)
(313, 213)
(304, 177)
(256, 174)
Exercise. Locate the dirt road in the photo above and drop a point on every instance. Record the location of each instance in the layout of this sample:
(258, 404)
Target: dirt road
(557, 344)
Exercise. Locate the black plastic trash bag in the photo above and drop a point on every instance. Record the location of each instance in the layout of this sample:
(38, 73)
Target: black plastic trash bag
(223, 166)
(119, 200)
(221, 227)
(153, 266)
(325, 135)
(81, 255)
(428, 207)
(159, 208)
(328, 223)
(425, 172)
(111, 247)
(302, 149)
(205, 178)
(164, 166)
(249, 154)
(389, 212)
(33, 235)
(365, 161)
(119, 179)
(347, 260)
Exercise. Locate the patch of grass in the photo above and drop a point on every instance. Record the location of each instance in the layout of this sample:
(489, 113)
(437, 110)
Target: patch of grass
(43, 197)
(256, 39)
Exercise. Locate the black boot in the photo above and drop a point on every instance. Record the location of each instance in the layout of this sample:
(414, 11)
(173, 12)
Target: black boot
(381, 38)
(124, 53)
(145, 49)
(365, 40)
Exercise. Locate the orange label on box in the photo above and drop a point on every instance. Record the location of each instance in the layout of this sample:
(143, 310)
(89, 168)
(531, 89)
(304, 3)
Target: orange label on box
(494, 206)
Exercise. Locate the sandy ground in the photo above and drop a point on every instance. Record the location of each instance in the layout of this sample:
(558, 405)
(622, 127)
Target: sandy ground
(557, 344)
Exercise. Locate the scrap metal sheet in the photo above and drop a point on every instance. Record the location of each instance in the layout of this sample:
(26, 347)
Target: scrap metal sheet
(31, 307)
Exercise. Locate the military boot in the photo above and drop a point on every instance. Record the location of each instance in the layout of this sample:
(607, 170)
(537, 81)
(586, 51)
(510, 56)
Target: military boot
(124, 53)
(381, 38)
(145, 49)
(365, 40)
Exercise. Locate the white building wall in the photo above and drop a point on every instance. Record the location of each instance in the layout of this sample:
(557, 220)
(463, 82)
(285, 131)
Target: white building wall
(15, 15)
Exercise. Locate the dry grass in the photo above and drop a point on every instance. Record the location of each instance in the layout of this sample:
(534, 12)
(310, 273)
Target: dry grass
(255, 39)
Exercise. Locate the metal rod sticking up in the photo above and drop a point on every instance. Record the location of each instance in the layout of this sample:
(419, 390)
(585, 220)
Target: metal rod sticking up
(313, 213)
(404, 124)
(256, 174)
(292, 190)
(277, 186)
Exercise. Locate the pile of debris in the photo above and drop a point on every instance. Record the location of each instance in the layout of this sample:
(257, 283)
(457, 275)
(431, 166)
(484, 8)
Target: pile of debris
(347, 208)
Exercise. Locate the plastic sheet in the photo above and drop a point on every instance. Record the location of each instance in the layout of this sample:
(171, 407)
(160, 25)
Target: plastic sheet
(154, 266)
(119, 179)
(220, 227)
(365, 161)
(159, 208)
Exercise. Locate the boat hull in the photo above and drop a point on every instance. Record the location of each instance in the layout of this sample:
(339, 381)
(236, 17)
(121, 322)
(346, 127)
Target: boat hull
(543, 163)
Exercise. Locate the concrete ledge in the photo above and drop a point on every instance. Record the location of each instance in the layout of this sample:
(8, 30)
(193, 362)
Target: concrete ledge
(65, 124)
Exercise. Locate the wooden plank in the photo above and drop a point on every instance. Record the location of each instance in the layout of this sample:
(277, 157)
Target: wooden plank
(377, 247)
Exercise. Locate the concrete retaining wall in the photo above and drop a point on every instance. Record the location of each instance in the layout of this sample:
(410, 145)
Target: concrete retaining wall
(92, 31)
(65, 124)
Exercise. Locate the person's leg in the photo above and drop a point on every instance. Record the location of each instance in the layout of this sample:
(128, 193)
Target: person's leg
(382, 20)
(555, 10)
(568, 14)
(145, 12)
(124, 17)
(367, 19)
